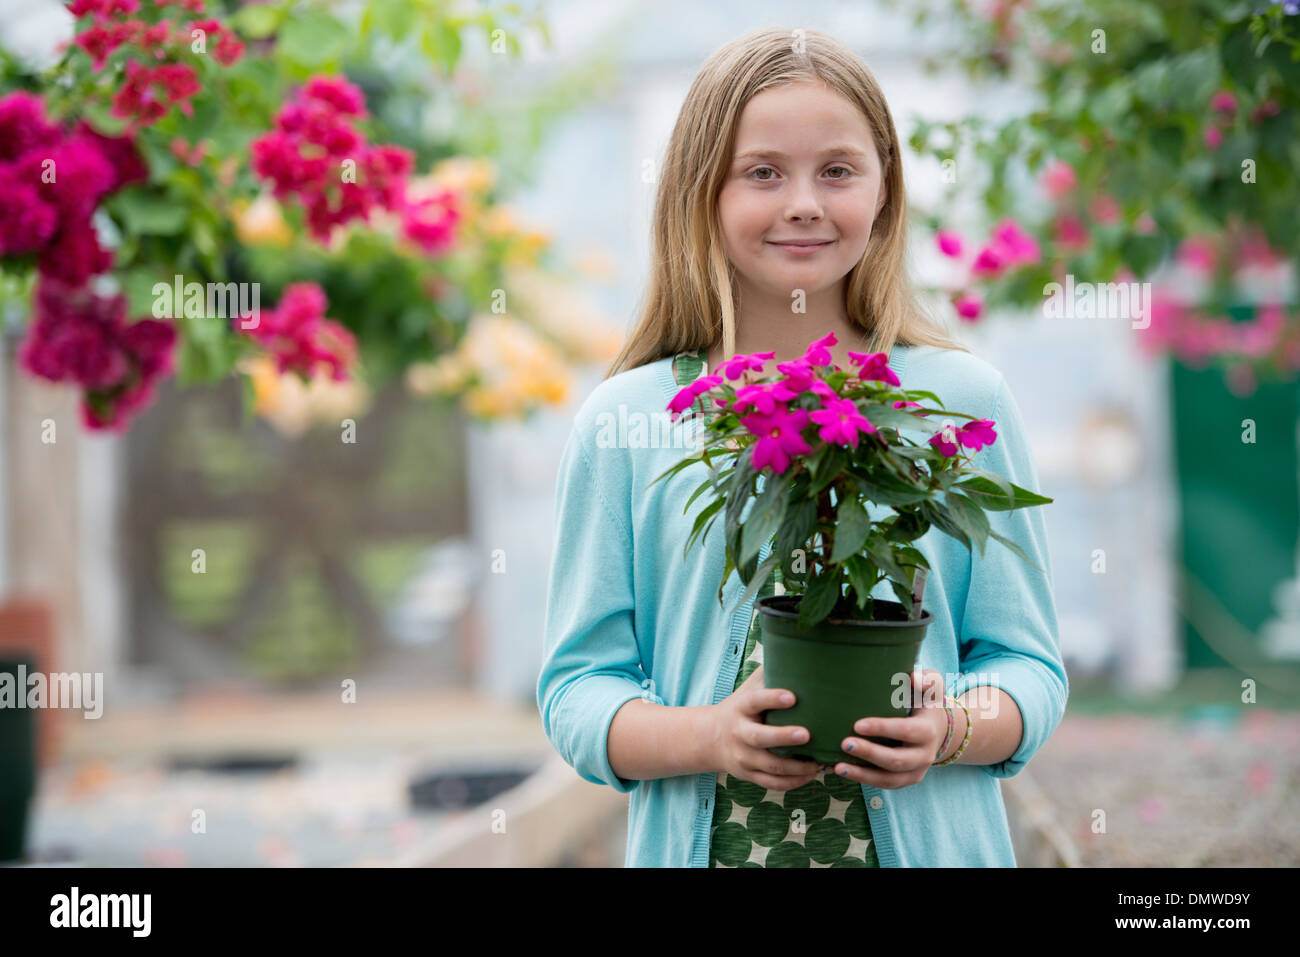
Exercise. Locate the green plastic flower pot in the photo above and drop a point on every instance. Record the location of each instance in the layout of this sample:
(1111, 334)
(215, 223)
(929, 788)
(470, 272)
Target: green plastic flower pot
(17, 767)
(840, 671)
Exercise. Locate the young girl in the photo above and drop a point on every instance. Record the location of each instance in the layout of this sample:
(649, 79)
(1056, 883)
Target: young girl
(780, 218)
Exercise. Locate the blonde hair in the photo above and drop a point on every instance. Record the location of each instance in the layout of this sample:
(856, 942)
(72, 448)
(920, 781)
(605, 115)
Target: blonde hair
(690, 301)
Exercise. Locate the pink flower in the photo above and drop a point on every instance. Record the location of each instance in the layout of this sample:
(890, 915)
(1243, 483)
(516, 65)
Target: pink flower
(1145, 225)
(974, 435)
(988, 262)
(945, 440)
(841, 422)
(306, 152)
(148, 94)
(902, 404)
(969, 305)
(1059, 179)
(338, 93)
(431, 222)
(779, 438)
(1104, 209)
(1223, 102)
(798, 379)
(977, 434)
(1264, 110)
(74, 255)
(1014, 245)
(1070, 232)
(763, 397)
(1197, 253)
(23, 126)
(738, 365)
(78, 335)
(301, 338)
(1213, 137)
(874, 367)
(949, 243)
(685, 398)
(819, 352)
(28, 221)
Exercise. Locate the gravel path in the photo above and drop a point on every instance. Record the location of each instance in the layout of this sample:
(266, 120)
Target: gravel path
(1218, 788)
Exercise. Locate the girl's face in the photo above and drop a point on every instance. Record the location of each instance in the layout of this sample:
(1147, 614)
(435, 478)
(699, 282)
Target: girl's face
(805, 168)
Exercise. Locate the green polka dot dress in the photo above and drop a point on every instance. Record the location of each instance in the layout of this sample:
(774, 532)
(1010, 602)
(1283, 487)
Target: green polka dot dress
(822, 824)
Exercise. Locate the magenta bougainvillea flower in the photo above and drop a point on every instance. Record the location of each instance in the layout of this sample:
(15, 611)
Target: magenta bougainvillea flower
(431, 222)
(841, 422)
(313, 141)
(79, 336)
(778, 438)
(950, 243)
(1059, 179)
(300, 337)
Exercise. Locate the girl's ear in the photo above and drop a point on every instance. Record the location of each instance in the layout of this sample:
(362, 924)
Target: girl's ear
(884, 196)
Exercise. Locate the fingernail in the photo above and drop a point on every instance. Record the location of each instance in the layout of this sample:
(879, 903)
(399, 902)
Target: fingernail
(787, 699)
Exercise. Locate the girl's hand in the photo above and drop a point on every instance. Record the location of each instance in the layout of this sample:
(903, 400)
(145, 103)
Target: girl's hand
(921, 732)
(740, 739)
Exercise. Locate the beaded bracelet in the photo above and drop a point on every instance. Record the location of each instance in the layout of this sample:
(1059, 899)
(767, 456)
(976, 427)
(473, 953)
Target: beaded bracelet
(947, 737)
(964, 741)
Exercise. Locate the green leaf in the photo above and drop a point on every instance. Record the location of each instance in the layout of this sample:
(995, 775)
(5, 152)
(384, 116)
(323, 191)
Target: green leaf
(820, 597)
(995, 498)
(827, 465)
(851, 527)
(759, 577)
(795, 532)
(146, 213)
(1014, 547)
(257, 21)
(313, 39)
(969, 517)
(766, 516)
(706, 514)
(440, 41)
(938, 517)
(862, 578)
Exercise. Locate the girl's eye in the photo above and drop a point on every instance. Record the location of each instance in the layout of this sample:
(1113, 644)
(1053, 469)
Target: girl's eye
(767, 179)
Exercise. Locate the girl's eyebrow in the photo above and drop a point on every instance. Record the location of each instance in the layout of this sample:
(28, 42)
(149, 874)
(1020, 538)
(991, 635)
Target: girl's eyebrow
(777, 154)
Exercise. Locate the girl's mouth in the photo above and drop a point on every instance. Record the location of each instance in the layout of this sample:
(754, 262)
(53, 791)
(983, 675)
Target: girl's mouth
(803, 249)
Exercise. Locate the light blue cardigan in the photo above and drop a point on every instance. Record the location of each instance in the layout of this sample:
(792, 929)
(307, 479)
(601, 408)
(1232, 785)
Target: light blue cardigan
(627, 616)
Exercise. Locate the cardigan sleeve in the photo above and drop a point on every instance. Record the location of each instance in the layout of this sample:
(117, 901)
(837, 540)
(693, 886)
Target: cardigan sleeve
(1008, 636)
(591, 664)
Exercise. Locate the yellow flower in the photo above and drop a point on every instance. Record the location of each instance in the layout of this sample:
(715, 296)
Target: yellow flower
(261, 223)
(292, 406)
(465, 174)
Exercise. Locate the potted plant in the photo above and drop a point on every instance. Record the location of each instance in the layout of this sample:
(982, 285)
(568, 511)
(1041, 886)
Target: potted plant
(810, 448)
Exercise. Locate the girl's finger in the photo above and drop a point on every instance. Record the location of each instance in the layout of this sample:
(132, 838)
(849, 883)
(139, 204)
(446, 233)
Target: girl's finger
(874, 778)
(776, 735)
(776, 783)
(774, 764)
(910, 729)
(895, 760)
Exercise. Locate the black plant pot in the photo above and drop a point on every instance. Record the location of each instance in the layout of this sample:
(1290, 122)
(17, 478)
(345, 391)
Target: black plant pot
(17, 766)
